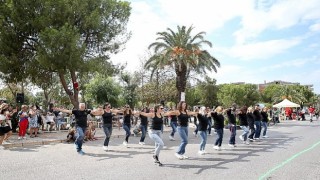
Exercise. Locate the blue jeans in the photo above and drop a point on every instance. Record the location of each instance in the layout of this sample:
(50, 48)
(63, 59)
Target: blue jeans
(233, 130)
(143, 131)
(155, 135)
(245, 132)
(126, 127)
(265, 127)
(183, 132)
(258, 129)
(174, 125)
(219, 137)
(203, 135)
(107, 128)
(209, 125)
(79, 137)
(196, 130)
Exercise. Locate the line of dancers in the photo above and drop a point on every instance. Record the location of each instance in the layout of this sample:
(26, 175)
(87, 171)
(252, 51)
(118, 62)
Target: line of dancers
(250, 120)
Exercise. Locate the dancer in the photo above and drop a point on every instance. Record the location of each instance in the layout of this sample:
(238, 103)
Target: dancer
(265, 120)
(183, 122)
(155, 130)
(173, 124)
(209, 122)
(81, 124)
(202, 127)
(107, 115)
(195, 119)
(244, 124)
(231, 113)
(257, 121)
(250, 118)
(218, 124)
(127, 115)
(143, 125)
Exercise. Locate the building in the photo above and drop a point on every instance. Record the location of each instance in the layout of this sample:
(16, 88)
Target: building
(261, 87)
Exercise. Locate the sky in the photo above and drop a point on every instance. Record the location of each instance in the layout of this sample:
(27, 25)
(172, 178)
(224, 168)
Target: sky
(255, 41)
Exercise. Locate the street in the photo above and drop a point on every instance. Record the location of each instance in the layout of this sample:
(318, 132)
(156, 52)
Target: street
(290, 152)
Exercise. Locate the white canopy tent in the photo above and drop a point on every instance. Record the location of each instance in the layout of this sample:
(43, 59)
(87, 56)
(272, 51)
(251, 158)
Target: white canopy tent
(286, 103)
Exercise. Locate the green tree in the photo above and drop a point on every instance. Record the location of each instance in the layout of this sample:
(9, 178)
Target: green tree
(243, 94)
(209, 90)
(129, 93)
(102, 90)
(66, 37)
(183, 52)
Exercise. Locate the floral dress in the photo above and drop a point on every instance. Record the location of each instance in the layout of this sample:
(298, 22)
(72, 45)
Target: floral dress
(33, 121)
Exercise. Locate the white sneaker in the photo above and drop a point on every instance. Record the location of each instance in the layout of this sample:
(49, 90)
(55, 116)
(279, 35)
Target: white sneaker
(201, 152)
(125, 143)
(142, 143)
(241, 137)
(210, 134)
(231, 145)
(185, 157)
(178, 156)
(105, 148)
(19, 138)
(24, 137)
(246, 142)
(216, 148)
(171, 138)
(265, 136)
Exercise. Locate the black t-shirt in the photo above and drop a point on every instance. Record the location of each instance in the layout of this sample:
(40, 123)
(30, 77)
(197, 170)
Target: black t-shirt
(107, 117)
(218, 120)
(174, 118)
(157, 122)
(203, 122)
(127, 119)
(81, 117)
(144, 120)
(183, 119)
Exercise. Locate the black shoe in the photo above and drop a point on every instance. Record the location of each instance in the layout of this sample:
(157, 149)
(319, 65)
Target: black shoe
(156, 160)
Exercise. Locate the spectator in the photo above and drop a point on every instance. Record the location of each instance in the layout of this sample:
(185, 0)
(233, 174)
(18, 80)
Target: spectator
(50, 120)
(23, 122)
(33, 122)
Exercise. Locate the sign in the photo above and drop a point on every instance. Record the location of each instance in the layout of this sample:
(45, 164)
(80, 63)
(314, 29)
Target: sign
(183, 96)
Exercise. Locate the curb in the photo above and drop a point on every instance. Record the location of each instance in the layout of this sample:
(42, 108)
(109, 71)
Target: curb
(52, 141)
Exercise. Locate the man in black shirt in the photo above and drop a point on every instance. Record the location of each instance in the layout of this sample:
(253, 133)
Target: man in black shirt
(81, 124)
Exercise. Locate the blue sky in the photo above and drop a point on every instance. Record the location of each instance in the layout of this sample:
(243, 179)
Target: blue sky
(254, 40)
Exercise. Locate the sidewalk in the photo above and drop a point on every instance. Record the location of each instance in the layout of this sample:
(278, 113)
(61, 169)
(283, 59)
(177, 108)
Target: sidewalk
(55, 137)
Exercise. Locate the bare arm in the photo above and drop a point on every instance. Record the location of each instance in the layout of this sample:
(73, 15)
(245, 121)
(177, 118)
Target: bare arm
(116, 111)
(150, 115)
(190, 113)
(97, 112)
(64, 110)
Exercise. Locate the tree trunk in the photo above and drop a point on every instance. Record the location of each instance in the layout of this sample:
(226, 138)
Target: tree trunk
(73, 96)
(181, 80)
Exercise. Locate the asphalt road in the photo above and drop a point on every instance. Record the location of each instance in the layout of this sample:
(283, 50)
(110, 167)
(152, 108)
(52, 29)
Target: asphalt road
(290, 152)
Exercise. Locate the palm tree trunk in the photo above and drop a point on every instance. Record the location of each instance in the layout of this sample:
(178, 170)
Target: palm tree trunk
(181, 80)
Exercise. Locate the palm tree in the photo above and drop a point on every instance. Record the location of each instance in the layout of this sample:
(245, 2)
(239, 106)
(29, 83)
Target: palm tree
(183, 52)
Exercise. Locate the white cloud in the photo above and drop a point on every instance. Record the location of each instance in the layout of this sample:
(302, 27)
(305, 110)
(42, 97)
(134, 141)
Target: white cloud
(206, 15)
(260, 50)
(280, 15)
(315, 27)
